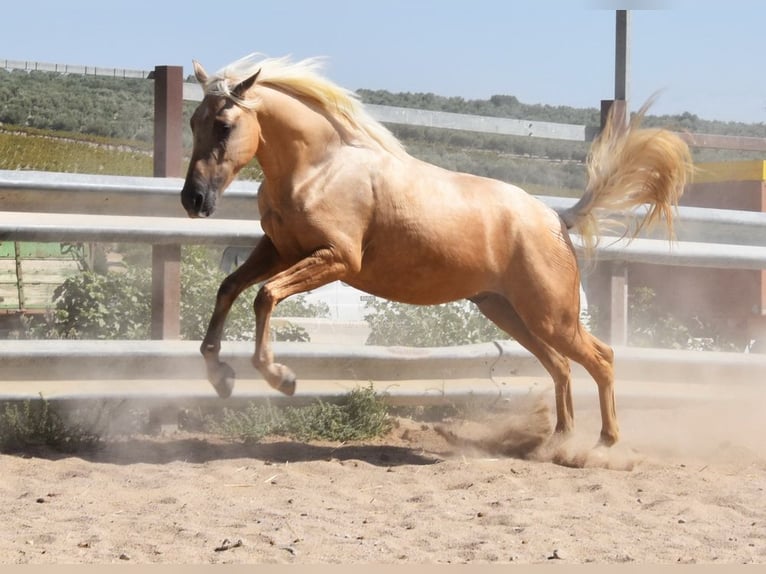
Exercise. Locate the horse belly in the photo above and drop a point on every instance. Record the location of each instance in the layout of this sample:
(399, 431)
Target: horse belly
(461, 250)
(414, 291)
(411, 272)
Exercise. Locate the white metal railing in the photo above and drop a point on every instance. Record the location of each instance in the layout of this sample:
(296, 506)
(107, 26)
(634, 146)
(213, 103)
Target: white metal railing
(147, 209)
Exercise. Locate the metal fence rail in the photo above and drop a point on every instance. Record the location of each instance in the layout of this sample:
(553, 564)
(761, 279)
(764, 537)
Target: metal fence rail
(170, 374)
(39, 191)
(54, 227)
(58, 227)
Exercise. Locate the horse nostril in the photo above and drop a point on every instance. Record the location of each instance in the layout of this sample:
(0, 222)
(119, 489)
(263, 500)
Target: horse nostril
(197, 200)
(192, 200)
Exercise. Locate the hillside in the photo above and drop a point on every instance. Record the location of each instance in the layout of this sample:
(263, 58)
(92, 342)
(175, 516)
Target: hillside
(92, 124)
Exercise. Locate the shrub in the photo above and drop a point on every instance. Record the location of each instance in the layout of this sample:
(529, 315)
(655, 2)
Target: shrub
(90, 305)
(457, 323)
(37, 423)
(360, 415)
(117, 305)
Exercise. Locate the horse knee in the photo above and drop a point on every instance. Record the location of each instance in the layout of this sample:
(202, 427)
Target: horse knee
(605, 352)
(264, 299)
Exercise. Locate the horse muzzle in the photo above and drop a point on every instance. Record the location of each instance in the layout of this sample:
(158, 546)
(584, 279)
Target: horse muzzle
(197, 202)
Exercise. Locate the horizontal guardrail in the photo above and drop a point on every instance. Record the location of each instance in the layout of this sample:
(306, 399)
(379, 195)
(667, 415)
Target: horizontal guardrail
(516, 127)
(37, 191)
(57, 227)
(42, 191)
(51, 227)
(167, 377)
(481, 124)
(180, 360)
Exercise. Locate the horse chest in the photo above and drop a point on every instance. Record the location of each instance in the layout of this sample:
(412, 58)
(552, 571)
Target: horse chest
(293, 233)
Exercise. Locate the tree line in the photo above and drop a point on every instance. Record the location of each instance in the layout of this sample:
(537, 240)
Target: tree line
(105, 125)
(123, 107)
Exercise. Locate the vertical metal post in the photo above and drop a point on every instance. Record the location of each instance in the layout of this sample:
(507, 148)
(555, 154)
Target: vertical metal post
(612, 296)
(608, 283)
(19, 277)
(618, 314)
(168, 156)
(622, 56)
(618, 323)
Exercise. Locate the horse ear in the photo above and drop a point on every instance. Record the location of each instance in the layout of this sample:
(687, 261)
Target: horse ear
(200, 72)
(240, 89)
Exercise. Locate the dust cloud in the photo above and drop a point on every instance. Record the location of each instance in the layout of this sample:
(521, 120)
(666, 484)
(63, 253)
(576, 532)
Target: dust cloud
(724, 427)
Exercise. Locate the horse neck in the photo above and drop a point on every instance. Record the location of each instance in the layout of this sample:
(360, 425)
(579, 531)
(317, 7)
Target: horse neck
(295, 135)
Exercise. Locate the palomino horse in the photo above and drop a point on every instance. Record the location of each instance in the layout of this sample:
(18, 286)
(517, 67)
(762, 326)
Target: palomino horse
(341, 199)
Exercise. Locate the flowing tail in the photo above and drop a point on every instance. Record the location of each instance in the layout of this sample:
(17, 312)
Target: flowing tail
(628, 167)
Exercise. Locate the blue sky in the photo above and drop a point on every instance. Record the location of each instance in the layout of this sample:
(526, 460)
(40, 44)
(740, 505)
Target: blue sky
(707, 57)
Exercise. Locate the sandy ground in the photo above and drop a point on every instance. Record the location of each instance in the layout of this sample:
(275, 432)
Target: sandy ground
(686, 484)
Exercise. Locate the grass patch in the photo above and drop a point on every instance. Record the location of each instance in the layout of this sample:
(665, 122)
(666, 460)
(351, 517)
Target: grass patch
(360, 415)
(39, 424)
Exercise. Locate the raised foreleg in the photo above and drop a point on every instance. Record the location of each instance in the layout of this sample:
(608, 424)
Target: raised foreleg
(262, 263)
(320, 268)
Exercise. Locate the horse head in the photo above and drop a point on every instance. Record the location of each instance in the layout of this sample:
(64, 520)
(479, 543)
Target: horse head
(225, 134)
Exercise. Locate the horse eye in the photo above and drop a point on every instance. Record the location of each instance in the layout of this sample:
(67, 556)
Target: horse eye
(224, 127)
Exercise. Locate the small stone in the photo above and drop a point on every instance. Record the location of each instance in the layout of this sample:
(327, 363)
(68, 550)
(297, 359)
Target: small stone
(124, 556)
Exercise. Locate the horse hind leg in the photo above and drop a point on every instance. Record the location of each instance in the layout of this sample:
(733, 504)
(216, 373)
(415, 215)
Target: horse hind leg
(598, 359)
(500, 311)
(577, 344)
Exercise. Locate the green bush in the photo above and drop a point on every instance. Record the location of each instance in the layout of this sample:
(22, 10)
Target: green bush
(360, 415)
(457, 323)
(200, 279)
(90, 305)
(117, 305)
(650, 327)
(37, 423)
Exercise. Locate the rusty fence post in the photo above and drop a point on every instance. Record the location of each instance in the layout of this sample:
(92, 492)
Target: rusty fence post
(168, 156)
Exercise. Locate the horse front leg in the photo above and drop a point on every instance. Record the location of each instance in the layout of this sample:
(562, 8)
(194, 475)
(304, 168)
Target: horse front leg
(262, 263)
(320, 268)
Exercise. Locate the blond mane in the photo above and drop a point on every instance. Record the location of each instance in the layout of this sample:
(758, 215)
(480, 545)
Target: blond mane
(302, 79)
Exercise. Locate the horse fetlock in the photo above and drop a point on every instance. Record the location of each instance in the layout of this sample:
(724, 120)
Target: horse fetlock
(608, 437)
(210, 349)
(564, 427)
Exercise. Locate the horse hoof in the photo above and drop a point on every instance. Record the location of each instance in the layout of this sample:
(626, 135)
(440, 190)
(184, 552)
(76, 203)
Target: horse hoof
(223, 381)
(287, 385)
